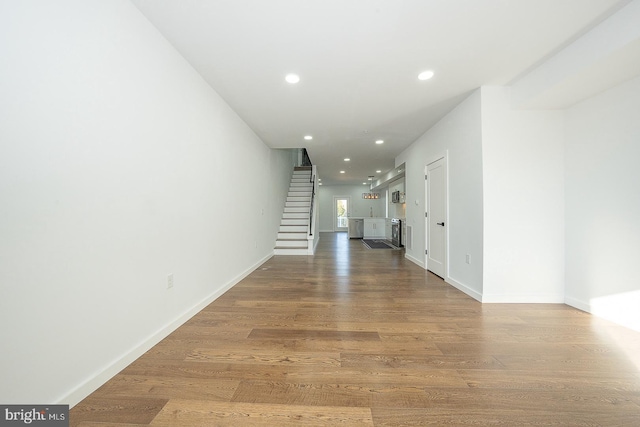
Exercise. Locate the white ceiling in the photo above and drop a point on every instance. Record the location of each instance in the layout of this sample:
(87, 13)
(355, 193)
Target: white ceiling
(358, 61)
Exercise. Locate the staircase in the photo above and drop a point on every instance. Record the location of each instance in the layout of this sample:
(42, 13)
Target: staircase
(294, 227)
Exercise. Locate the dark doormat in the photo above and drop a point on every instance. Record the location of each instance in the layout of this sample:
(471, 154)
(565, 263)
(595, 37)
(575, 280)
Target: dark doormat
(376, 244)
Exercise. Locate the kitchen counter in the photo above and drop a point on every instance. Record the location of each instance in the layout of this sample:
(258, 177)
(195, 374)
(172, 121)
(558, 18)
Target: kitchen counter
(367, 217)
(374, 228)
(367, 227)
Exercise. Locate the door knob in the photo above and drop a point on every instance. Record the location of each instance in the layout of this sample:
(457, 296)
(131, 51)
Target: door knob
(441, 223)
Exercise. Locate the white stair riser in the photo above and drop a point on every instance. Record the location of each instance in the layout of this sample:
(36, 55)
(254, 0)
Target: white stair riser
(290, 236)
(301, 209)
(299, 199)
(297, 205)
(299, 194)
(291, 244)
(286, 221)
(293, 228)
(285, 251)
(295, 215)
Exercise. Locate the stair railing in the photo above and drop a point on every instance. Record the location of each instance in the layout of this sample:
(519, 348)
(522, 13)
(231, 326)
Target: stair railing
(313, 198)
(306, 161)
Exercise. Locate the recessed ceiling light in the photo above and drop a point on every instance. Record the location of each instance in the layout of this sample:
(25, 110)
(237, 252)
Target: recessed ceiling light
(425, 75)
(292, 78)
(364, 183)
(319, 183)
(347, 159)
(319, 179)
(308, 137)
(378, 171)
(341, 171)
(370, 178)
(379, 142)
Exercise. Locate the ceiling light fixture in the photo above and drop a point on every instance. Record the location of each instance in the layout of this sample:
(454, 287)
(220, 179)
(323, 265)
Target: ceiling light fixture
(370, 194)
(378, 171)
(347, 159)
(292, 78)
(308, 137)
(425, 75)
(379, 142)
(341, 171)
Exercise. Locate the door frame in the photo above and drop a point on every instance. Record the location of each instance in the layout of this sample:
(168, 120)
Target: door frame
(335, 211)
(445, 157)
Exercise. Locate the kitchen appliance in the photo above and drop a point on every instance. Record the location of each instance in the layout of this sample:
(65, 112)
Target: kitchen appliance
(356, 228)
(396, 232)
(395, 197)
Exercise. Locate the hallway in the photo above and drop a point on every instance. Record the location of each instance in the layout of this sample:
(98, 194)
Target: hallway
(354, 336)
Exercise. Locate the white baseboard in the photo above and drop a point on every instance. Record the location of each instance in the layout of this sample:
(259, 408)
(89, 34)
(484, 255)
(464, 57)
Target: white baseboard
(576, 303)
(621, 309)
(414, 260)
(83, 390)
(523, 298)
(316, 240)
(464, 288)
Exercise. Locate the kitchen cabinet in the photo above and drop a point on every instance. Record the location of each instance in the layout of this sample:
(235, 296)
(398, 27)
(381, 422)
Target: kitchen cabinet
(374, 228)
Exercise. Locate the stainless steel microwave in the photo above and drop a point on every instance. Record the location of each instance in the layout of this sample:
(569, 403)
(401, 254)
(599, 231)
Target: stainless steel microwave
(395, 197)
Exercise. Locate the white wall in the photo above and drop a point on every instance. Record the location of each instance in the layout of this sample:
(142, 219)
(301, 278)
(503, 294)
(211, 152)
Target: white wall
(523, 167)
(459, 135)
(396, 210)
(359, 207)
(603, 204)
(118, 166)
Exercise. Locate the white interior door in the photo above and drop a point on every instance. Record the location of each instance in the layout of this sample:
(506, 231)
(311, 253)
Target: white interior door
(436, 187)
(341, 212)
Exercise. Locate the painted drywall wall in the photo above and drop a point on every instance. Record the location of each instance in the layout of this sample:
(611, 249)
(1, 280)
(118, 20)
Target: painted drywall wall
(458, 135)
(119, 166)
(359, 207)
(523, 175)
(396, 210)
(603, 206)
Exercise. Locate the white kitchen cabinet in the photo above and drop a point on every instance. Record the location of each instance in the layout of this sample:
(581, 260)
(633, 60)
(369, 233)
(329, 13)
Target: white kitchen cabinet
(374, 228)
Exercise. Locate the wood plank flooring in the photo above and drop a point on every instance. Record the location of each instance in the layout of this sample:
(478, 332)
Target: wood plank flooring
(363, 337)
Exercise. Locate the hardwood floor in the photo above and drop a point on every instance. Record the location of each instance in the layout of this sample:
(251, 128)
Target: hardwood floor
(362, 337)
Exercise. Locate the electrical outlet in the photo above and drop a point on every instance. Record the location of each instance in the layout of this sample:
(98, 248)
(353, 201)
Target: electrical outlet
(468, 259)
(170, 281)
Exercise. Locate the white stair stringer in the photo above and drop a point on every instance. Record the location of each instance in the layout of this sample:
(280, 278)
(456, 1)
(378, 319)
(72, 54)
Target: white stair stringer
(293, 235)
